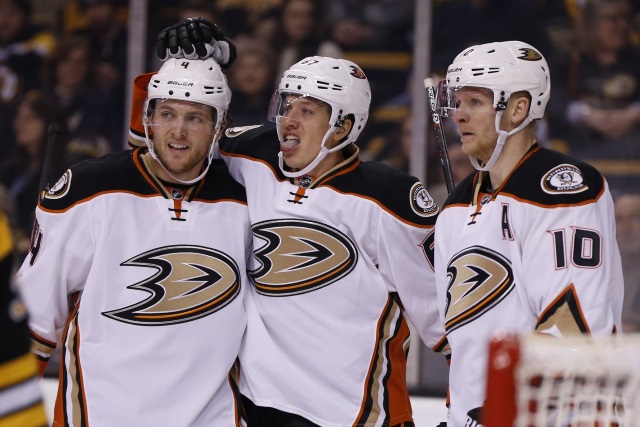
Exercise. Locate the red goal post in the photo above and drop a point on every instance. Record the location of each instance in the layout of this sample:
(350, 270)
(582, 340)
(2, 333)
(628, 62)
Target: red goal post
(536, 380)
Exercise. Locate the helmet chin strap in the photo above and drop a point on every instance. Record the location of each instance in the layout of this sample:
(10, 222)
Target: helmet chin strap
(502, 138)
(321, 155)
(210, 155)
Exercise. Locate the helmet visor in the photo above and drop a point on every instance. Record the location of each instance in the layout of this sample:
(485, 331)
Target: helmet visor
(451, 98)
(299, 108)
(163, 113)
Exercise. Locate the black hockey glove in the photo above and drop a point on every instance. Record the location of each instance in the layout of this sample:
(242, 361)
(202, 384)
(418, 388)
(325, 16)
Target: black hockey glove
(195, 38)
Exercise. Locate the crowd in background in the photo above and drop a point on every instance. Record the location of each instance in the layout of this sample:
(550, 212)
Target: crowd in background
(69, 67)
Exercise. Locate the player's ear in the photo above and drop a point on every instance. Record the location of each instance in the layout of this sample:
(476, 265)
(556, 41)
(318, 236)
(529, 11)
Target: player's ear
(344, 130)
(518, 109)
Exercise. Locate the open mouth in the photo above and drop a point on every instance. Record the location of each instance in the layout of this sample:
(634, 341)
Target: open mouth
(175, 146)
(288, 143)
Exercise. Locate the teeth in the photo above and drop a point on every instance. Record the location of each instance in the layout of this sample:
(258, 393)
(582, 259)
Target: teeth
(177, 146)
(289, 141)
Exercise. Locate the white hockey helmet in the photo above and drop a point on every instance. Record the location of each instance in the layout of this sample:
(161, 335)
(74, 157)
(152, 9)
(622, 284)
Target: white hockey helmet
(340, 83)
(504, 68)
(195, 80)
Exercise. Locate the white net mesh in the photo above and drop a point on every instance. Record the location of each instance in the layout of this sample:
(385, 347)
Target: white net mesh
(580, 381)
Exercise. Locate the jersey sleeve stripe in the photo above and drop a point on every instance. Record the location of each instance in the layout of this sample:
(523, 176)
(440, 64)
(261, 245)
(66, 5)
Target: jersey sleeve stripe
(94, 196)
(384, 208)
(71, 387)
(40, 345)
(386, 371)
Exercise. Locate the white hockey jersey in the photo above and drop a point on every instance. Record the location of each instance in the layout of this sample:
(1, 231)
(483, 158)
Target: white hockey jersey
(537, 254)
(341, 259)
(158, 274)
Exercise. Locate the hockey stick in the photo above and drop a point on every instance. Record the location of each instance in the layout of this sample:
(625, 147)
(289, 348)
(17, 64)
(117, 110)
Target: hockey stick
(52, 149)
(442, 143)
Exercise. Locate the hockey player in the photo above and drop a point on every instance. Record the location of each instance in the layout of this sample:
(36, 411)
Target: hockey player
(157, 311)
(526, 242)
(343, 249)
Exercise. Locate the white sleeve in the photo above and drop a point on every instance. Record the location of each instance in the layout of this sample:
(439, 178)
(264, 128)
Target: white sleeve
(572, 269)
(57, 266)
(405, 261)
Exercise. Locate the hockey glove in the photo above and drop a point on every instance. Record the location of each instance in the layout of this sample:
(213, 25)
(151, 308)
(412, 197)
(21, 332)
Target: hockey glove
(195, 38)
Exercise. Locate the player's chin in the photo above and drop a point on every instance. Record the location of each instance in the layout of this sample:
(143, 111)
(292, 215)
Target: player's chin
(293, 163)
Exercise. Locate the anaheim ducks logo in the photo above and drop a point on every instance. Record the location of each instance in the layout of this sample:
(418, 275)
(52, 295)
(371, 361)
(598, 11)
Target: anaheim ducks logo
(239, 130)
(529, 54)
(300, 256)
(191, 282)
(357, 72)
(479, 278)
(61, 187)
(565, 178)
(421, 202)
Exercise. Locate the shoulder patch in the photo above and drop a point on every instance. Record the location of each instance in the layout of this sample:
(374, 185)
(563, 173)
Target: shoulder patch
(233, 132)
(565, 178)
(421, 202)
(60, 188)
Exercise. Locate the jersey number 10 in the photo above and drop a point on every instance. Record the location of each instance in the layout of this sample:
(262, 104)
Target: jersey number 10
(584, 249)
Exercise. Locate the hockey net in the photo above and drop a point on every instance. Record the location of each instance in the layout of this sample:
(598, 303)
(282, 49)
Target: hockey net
(582, 381)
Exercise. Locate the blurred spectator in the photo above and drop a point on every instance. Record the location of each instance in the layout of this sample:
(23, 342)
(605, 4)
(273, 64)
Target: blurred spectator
(177, 12)
(372, 24)
(244, 17)
(198, 8)
(24, 48)
(458, 24)
(627, 208)
(394, 149)
(252, 81)
(20, 169)
(300, 32)
(92, 118)
(597, 89)
(108, 38)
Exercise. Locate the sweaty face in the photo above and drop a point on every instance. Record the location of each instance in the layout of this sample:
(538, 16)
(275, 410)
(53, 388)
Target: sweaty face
(475, 117)
(302, 123)
(182, 133)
